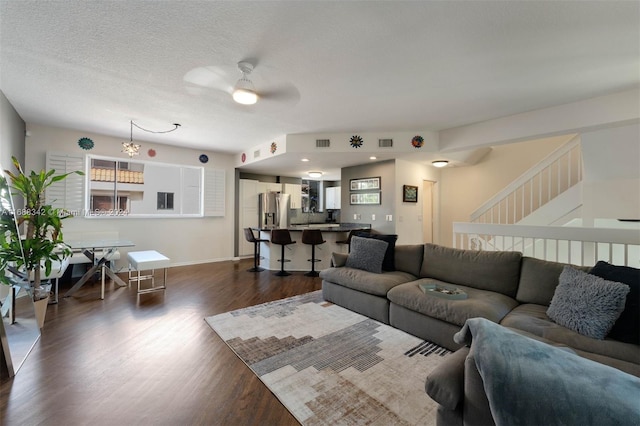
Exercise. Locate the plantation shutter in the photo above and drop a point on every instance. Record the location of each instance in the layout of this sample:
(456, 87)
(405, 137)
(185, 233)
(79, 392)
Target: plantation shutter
(214, 192)
(67, 193)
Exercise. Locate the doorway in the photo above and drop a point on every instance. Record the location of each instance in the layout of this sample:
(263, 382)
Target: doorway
(427, 211)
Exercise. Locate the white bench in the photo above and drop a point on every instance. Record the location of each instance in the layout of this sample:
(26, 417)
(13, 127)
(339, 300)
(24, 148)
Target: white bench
(148, 260)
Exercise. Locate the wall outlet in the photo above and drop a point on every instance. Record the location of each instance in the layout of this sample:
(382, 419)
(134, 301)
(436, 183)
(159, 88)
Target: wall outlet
(373, 217)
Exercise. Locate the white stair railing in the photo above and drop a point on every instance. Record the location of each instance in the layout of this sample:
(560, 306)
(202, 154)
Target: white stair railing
(575, 245)
(556, 173)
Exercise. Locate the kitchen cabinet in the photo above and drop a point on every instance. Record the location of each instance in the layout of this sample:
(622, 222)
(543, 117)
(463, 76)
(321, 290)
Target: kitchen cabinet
(295, 190)
(333, 195)
(269, 186)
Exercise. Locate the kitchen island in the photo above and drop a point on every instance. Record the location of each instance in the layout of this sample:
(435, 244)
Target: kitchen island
(300, 253)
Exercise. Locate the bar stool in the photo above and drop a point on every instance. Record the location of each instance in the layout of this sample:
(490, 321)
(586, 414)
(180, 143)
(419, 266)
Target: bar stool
(347, 241)
(312, 237)
(248, 234)
(283, 238)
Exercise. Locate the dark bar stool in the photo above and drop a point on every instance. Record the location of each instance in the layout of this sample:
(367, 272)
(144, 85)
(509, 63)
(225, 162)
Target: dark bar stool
(283, 238)
(248, 234)
(313, 237)
(348, 240)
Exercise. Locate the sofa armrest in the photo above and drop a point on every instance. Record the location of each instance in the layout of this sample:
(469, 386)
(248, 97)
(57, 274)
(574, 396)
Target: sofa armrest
(445, 384)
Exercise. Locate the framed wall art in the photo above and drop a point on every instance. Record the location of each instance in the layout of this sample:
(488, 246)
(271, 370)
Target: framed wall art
(365, 184)
(364, 198)
(409, 194)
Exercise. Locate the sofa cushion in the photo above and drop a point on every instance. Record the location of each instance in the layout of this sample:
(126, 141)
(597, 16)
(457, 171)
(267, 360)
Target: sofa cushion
(367, 254)
(627, 327)
(388, 264)
(539, 279)
(409, 258)
(587, 304)
(485, 270)
(479, 303)
(367, 282)
(533, 319)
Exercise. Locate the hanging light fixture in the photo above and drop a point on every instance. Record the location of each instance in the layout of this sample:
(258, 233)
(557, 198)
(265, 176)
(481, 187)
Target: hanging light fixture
(244, 93)
(134, 149)
(439, 163)
(129, 147)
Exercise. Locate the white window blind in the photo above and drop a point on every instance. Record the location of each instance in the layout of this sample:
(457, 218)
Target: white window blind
(214, 192)
(67, 193)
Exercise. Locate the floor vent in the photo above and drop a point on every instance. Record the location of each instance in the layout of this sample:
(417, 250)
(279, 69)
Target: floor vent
(256, 153)
(323, 143)
(385, 143)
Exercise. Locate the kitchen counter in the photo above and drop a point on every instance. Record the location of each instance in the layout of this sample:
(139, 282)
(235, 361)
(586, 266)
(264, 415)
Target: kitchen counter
(324, 227)
(299, 253)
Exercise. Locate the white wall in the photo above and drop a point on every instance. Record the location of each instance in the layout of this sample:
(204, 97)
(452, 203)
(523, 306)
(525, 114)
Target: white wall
(183, 240)
(12, 129)
(611, 188)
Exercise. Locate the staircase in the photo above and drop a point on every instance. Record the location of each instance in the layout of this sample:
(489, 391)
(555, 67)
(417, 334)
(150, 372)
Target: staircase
(543, 195)
(534, 215)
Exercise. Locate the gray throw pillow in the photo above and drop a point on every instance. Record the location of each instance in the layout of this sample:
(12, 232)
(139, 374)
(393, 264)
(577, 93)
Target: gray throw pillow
(367, 254)
(587, 304)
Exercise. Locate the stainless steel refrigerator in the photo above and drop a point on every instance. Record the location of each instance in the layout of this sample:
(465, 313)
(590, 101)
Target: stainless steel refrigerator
(273, 208)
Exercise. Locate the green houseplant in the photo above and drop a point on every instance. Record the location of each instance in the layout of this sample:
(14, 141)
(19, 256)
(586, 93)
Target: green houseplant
(42, 243)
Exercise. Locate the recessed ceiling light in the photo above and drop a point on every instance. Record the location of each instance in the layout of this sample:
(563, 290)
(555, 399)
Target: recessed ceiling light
(373, 157)
(305, 160)
(439, 163)
(315, 174)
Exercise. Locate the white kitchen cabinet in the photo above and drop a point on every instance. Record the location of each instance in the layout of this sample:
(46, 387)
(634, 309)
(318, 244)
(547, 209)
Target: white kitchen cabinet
(333, 195)
(269, 186)
(295, 190)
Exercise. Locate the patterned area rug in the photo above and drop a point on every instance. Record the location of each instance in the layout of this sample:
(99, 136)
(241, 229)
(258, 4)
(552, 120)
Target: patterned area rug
(329, 365)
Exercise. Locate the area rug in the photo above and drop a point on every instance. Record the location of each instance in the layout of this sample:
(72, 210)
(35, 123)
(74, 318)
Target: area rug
(329, 365)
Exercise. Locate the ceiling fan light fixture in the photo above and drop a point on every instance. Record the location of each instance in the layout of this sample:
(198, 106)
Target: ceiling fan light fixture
(244, 93)
(439, 163)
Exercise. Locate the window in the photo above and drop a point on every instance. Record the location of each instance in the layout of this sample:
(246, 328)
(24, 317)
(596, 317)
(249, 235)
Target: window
(165, 200)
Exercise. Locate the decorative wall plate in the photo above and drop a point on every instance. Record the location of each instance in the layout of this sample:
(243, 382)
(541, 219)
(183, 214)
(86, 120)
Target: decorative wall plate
(356, 141)
(203, 158)
(244, 157)
(417, 141)
(274, 147)
(85, 143)
(151, 152)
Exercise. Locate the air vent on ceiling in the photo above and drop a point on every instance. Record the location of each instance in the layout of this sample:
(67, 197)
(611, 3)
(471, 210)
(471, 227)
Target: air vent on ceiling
(323, 143)
(256, 153)
(385, 143)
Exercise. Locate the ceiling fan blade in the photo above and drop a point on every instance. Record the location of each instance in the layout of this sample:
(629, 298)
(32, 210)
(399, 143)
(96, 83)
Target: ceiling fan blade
(286, 93)
(213, 77)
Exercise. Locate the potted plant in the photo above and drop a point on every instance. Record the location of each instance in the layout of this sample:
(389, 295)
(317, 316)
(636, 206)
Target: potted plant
(42, 242)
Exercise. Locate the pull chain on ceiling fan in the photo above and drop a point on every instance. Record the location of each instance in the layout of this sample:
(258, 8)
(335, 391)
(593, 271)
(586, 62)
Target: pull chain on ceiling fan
(244, 92)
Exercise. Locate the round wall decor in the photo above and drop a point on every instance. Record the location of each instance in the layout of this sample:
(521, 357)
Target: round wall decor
(244, 157)
(274, 147)
(356, 141)
(203, 158)
(417, 141)
(85, 143)
(151, 152)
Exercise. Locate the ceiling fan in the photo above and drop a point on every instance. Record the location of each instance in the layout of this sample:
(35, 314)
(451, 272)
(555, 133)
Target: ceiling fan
(265, 86)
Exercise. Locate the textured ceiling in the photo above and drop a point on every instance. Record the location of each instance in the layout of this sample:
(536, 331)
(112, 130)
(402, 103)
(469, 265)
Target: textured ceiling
(321, 66)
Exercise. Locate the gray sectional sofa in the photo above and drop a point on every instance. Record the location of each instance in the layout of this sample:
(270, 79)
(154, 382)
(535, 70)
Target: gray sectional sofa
(503, 287)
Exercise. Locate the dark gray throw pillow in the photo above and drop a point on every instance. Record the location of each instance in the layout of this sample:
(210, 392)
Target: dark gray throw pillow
(587, 304)
(367, 254)
(389, 262)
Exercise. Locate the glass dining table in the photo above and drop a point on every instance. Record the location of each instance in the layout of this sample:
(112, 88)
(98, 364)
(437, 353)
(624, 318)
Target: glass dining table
(93, 249)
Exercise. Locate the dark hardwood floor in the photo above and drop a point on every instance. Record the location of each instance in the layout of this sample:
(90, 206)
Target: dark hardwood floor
(149, 359)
